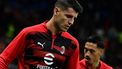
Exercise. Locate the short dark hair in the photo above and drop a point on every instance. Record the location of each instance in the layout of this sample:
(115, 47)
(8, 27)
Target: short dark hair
(96, 39)
(64, 4)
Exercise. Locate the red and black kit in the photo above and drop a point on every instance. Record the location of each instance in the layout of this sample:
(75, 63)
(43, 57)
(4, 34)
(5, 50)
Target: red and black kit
(36, 48)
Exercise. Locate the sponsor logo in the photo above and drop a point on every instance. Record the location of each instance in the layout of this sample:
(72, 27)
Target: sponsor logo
(48, 59)
(41, 44)
(63, 50)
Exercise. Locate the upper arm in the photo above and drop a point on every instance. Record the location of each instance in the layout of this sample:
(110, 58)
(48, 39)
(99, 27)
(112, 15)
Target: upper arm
(74, 59)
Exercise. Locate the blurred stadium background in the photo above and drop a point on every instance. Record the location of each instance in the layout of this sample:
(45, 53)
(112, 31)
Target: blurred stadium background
(101, 17)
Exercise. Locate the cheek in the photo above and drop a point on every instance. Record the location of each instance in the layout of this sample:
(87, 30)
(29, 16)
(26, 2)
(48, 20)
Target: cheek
(61, 20)
(92, 55)
(95, 56)
(64, 20)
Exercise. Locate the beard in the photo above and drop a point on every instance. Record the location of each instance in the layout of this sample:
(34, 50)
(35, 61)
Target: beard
(61, 28)
(88, 60)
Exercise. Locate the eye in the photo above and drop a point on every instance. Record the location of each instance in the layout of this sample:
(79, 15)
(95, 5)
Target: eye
(85, 50)
(92, 51)
(69, 16)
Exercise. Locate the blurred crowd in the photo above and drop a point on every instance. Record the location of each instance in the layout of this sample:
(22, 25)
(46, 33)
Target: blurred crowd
(102, 17)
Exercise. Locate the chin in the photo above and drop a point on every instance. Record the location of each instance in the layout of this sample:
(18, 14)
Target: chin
(88, 61)
(64, 30)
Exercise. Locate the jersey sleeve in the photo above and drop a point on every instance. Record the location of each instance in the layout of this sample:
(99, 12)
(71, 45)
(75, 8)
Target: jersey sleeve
(14, 48)
(73, 62)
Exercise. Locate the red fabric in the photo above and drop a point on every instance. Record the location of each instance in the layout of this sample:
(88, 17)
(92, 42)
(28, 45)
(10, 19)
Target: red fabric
(102, 65)
(18, 45)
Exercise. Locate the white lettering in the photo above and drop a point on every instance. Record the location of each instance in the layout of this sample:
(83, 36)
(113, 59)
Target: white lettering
(44, 67)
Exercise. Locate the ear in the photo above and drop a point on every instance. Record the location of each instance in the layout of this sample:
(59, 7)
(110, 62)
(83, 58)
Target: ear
(56, 10)
(101, 52)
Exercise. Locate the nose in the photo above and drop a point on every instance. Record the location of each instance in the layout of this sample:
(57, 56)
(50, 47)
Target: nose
(87, 53)
(71, 21)
(87, 57)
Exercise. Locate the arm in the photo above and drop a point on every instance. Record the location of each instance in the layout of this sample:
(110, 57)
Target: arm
(15, 47)
(73, 62)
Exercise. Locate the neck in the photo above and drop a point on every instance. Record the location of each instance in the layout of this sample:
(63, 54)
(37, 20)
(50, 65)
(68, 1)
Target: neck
(50, 26)
(93, 66)
(96, 64)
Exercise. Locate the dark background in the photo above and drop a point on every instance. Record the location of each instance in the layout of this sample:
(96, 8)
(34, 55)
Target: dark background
(101, 17)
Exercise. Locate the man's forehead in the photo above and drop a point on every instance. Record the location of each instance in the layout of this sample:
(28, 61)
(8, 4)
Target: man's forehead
(71, 11)
(90, 45)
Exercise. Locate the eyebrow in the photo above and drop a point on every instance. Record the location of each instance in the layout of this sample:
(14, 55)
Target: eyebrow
(89, 49)
(70, 16)
(89, 44)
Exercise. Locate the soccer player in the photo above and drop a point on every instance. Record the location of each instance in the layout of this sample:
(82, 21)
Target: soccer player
(93, 50)
(47, 45)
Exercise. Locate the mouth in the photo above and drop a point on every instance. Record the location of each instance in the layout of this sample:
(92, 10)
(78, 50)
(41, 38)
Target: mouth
(87, 58)
(67, 27)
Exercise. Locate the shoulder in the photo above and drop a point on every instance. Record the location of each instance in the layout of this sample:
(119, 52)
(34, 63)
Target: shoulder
(105, 66)
(35, 28)
(82, 63)
(68, 36)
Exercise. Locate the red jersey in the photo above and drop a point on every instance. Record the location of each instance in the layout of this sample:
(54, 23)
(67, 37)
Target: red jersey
(102, 65)
(36, 48)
